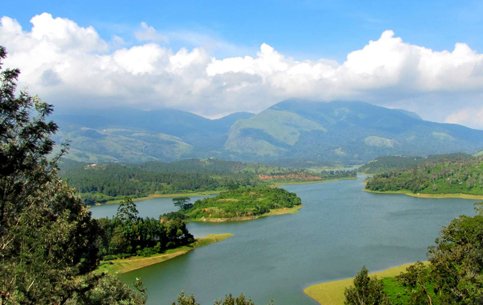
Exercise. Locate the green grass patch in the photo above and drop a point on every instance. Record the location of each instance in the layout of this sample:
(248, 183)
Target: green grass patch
(332, 293)
(395, 291)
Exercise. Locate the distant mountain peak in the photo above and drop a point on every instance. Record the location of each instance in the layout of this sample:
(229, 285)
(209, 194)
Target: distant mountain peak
(293, 130)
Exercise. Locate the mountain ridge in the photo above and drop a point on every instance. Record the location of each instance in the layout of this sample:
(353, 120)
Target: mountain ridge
(344, 132)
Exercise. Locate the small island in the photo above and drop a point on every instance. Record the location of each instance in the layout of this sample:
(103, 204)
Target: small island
(245, 203)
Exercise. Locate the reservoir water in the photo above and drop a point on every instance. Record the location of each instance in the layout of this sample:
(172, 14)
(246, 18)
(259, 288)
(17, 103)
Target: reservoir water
(339, 229)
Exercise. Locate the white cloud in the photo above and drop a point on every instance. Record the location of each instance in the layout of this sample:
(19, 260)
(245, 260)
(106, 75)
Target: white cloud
(148, 33)
(65, 63)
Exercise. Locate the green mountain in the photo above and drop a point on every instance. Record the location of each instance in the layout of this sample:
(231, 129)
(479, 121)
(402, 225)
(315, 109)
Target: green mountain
(291, 132)
(130, 135)
(345, 132)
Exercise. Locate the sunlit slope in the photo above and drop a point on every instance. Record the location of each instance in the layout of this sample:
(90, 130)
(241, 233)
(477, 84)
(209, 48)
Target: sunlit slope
(290, 132)
(346, 132)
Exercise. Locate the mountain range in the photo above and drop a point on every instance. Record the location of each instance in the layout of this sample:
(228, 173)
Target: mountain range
(290, 132)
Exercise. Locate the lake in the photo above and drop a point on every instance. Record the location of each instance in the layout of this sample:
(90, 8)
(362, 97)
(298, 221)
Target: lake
(339, 229)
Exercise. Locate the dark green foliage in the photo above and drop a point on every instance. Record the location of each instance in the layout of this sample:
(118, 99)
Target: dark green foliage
(337, 174)
(366, 291)
(243, 202)
(230, 300)
(457, 262)
(107, 290)
(184, 299)
(460, 175)
(127, 234)
(48, 241)
(103, 182)
(419, 284)
(391, 163)
(183, 203)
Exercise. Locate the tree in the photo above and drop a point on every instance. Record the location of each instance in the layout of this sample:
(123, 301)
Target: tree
(417, 279)
(457, 262)
(48, 240)
(184, 299)
(230, 300)
(127, 212)
(366, 291)
(183, 203)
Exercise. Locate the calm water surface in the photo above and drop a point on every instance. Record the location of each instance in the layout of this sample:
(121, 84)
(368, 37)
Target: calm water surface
(339, 229)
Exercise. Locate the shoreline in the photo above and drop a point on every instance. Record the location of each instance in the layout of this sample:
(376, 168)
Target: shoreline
(213, 192)
(124, 265)
(332, 292)
(278, 184)
(426, 195)
(171, 195)
(274, 212)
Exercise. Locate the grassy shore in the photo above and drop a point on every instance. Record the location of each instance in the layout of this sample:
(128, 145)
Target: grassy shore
(332, 293)
(137, 262)
(274, 212)
(425, 195)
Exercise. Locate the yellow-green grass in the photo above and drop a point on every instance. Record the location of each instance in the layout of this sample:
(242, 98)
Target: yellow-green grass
(124, 265)
(273, 212)
(425, 195)
(332, 293)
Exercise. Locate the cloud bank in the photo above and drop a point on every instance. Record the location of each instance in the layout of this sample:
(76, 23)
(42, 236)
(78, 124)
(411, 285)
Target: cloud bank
(69, 65)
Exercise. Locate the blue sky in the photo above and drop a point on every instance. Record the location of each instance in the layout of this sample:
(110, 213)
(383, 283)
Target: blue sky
(218, 57)
(299, 28)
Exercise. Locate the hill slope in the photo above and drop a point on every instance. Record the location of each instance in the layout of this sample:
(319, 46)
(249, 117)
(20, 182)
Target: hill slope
(297, 132)
(450, 176)
(346, 132)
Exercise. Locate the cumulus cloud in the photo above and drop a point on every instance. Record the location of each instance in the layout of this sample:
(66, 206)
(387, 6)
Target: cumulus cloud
(68, 64)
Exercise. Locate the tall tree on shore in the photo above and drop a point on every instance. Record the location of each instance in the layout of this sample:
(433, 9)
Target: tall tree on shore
(366, 291)
(48, 241)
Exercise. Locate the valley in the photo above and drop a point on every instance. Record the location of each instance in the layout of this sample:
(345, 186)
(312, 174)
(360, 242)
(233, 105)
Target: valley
(276, 257)
(241, 153)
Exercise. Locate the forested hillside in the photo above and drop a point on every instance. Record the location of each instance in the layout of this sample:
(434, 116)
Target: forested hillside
(98, 182)
(451, 176)
(103, 182)
(385, 164)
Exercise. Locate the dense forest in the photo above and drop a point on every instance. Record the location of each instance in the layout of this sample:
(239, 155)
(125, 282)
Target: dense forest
(240, 203)
(127, 234)
(386, 164)
(49, 244)
(448, 176)
(103, 182)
